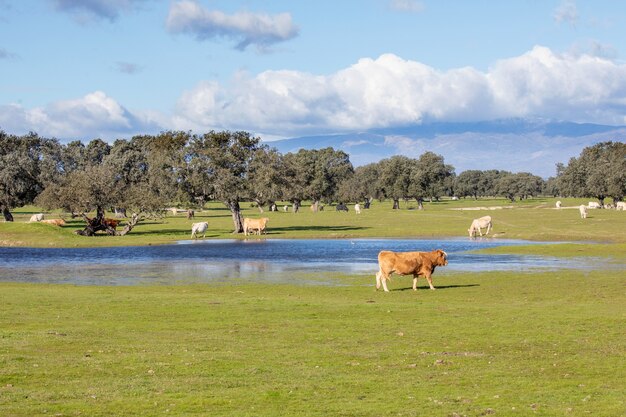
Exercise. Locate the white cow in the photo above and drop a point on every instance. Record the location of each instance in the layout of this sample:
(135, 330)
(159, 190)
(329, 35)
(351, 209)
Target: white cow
(583, 211)
(594, 205)
(286, 209)
(197, 228)
(357, 208)
(620, 205)
(478, 224)
(558, 204)
(36, 217)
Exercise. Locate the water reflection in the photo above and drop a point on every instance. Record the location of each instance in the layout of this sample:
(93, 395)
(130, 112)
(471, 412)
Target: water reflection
(256, 260)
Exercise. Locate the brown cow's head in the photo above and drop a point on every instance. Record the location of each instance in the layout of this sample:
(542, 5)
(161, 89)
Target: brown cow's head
(442, 258)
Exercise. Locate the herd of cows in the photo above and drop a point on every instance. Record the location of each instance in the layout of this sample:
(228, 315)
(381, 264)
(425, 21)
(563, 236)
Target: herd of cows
(402, 263)
(583, 209)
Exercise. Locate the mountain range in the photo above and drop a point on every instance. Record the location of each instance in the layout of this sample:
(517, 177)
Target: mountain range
(516, 145)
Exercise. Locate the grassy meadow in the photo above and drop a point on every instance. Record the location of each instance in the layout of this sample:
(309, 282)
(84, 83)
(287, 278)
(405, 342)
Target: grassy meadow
(534, 219)
(518, 343)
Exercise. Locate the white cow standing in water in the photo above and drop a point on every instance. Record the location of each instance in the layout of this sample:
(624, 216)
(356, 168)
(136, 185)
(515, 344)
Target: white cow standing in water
(198, 228)
(478, 224)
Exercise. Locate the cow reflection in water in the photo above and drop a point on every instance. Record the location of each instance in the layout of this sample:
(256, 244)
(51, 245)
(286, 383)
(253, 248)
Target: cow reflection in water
(409, 263)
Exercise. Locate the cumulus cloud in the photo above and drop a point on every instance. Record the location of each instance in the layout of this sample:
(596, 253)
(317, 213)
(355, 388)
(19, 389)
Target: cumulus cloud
(245, 28)
(390, 91)
(385, 92)
(85, 10)
(412, 6)
(91, 116)
(566, 12)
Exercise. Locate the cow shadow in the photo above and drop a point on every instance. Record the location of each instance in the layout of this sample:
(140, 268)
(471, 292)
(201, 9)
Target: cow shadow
(274, 230)
(437, 287)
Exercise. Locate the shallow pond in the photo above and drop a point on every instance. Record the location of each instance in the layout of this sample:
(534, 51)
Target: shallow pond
(259, 260)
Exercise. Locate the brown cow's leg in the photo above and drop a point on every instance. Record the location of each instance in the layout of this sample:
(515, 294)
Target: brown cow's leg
(414, 282)
(381, 278)
(430, 281)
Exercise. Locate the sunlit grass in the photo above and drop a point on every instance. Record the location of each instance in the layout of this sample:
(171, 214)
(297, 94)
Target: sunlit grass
(534, 219)
(505, 343)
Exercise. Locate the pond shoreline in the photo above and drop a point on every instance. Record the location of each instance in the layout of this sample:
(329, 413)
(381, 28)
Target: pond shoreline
(259, 260)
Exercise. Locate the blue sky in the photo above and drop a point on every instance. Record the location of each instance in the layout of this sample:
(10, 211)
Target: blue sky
(81, 69)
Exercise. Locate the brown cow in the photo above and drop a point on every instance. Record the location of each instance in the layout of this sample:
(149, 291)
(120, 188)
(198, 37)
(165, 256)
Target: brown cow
(256, 225)
(409, 263)
(54, 222)
(112, 223)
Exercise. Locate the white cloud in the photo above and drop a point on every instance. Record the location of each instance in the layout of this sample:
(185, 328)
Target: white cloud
(566, 12)
(245, 28)
(86, 10)
(412, 6)
(384, 92)
(91, 116)
(389, 91)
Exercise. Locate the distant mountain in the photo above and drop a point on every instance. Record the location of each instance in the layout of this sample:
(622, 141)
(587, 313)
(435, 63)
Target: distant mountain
(516, 145)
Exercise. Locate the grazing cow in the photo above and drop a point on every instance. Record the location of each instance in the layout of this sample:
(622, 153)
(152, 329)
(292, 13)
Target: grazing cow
(455, 198)
(594, 205)
(112, 223)
(357, 208)
(54, 222)
(120, 213)
(583, 211)
(409, 263)
(273, 207)
(341, 207)
(558, 204)
(620, 205)
(197, 228)
(286, 208)
(256, 225)
(478, 224)
(36, 217)
(190, 214)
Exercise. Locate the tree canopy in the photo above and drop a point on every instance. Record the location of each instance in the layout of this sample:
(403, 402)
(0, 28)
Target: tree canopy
(147, 173)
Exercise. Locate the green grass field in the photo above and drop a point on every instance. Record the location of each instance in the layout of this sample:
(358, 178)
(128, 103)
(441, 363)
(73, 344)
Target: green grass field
(548, 343)
(534, 219)
(508, 344)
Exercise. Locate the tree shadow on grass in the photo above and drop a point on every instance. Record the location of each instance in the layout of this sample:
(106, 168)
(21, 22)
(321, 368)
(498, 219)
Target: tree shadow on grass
(274, 230)
(438, 287)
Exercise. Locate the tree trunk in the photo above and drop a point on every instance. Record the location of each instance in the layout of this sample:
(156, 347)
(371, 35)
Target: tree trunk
(7, 214)
(259, 205)
(96, 224)
(296, 205)
(235, 211)
(129, 226)
(396, 204)
(420, 203)
(315, 206)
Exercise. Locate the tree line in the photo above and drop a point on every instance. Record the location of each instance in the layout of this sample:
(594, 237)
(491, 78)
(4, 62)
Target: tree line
(146, 173)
